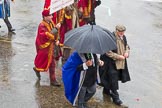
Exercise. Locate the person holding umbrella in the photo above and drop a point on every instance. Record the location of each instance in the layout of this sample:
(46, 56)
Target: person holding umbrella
(115, 68)
(79, 73)
(85, 65)
(88, 88)
(71, 21)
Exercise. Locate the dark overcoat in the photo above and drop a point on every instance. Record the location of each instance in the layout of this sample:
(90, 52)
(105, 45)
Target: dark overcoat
(110, 75)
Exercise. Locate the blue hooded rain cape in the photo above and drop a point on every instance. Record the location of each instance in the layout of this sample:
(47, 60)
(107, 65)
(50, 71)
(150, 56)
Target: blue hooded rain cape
(71, 77)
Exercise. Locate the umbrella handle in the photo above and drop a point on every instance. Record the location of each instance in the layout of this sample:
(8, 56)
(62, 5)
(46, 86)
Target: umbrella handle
(88, 56)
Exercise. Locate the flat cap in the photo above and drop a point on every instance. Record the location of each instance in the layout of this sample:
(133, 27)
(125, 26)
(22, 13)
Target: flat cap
(120, 28)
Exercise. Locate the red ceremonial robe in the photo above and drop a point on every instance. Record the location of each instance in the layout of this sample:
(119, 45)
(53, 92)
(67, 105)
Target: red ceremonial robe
(44, 46)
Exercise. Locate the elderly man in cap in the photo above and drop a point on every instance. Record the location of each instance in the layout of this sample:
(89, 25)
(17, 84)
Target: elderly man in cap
(45, 42)
(115, 68)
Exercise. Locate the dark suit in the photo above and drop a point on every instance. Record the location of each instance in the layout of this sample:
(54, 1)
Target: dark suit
(88, 88)
(91, 73)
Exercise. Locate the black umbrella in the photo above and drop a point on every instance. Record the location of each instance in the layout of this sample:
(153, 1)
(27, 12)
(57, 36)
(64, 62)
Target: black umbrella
(90, 39)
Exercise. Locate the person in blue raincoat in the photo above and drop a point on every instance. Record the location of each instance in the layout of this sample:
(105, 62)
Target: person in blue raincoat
(5, 13)
(79, 75)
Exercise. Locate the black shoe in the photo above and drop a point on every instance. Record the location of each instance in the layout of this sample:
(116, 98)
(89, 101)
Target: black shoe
(85, 105)
(11, 30)
(115, 97)
(55, 83)
(117, 102)
(81, 106)
(37, 73)
(37, 83)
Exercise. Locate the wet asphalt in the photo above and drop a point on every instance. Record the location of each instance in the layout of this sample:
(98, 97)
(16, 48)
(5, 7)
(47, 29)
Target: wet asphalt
(19, 87)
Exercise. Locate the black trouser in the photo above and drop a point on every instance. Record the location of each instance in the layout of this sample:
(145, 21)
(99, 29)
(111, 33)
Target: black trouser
(9, 26)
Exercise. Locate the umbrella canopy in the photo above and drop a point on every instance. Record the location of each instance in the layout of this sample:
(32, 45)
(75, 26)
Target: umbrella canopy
(90, 39)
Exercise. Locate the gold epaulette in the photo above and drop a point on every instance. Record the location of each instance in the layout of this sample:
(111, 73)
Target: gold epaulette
(68, 16)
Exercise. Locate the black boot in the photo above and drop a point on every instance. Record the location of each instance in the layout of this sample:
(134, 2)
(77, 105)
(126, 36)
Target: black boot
(37, 73)
(115, 97)
(11, 30)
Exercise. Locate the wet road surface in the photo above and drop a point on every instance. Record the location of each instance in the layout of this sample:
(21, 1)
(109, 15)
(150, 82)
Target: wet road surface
(19, 87)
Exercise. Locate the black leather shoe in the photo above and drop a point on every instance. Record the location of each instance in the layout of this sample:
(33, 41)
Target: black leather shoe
(37, 73)
(11, 30)
(85, 105)
(55, 83)
(117, 102)
(80, 106)
(115, 97)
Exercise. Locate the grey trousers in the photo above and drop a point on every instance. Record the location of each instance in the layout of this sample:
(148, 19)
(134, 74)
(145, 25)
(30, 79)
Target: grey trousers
(86, 93)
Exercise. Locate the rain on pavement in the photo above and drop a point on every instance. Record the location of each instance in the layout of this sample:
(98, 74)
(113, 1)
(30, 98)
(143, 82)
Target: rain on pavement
(19, 87)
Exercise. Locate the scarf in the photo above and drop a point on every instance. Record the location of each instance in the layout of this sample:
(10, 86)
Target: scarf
(120, 64)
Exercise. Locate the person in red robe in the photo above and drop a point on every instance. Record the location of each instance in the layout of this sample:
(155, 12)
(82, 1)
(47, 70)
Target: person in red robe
(47, 6)
(57, 18)
(45, 42)
(81, 10)
(68, 18)
(71, 21)
(87, 7)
